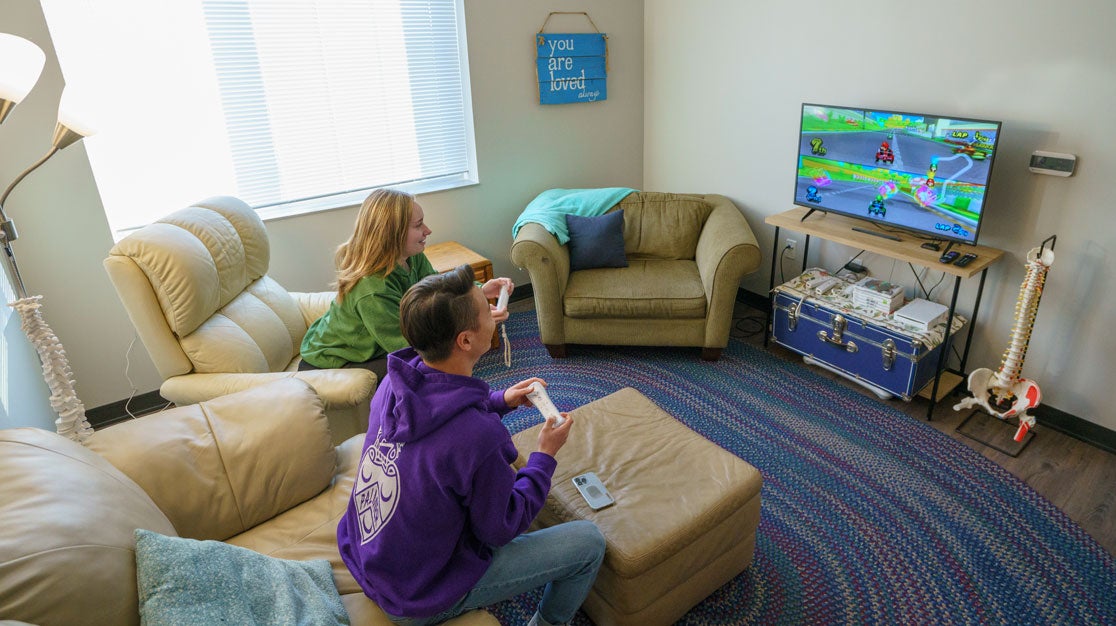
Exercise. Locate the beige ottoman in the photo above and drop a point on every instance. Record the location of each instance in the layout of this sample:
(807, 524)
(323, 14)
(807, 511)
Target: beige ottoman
(684, 522)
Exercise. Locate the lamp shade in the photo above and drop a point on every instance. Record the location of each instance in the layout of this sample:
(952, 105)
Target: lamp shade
(19, 71)
(70, 126)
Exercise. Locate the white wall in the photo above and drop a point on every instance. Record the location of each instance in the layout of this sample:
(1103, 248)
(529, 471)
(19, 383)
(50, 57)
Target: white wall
(725, 80)
(522, 148)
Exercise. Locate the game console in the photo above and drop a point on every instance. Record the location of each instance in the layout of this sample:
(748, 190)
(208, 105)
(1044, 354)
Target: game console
(541, 400)
(502, 302)
(920, 314)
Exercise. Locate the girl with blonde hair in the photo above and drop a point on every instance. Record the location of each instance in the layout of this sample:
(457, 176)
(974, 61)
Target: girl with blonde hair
(378, 264)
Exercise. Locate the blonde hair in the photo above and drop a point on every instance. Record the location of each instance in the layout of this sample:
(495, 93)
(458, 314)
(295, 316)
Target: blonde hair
(378, 238)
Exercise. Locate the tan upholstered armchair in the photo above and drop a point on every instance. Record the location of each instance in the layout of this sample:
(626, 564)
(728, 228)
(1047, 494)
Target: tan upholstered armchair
(195, 286)
(686, 255)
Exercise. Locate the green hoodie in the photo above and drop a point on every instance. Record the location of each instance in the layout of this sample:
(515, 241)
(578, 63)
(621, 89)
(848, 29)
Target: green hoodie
(365, 325)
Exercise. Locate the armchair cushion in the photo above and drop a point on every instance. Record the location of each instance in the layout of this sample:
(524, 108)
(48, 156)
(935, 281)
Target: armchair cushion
(663, 225)
(313, 305)
(254, 332)
(646, 289)
(338, 388)
(185, 581)
(596, 241)
(198, 259)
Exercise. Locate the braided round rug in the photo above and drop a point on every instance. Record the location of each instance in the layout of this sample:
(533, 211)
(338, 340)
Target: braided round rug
(868, 516)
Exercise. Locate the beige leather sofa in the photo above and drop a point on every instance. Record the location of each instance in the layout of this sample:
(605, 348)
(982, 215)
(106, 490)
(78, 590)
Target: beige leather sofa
(255, 469)
(196, 288)
(686, 256)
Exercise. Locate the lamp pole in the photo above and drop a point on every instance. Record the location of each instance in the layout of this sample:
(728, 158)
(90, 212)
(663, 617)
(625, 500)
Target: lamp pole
(57, 373)
(8, 232)
(7, 235)
(56, 367)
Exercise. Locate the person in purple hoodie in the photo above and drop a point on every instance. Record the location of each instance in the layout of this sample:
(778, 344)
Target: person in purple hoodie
(436, 523)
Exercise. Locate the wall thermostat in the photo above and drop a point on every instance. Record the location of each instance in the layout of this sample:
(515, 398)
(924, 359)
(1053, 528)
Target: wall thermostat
(1053, 163)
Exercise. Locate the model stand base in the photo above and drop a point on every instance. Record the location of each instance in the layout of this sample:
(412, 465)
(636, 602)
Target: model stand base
(1002, 439)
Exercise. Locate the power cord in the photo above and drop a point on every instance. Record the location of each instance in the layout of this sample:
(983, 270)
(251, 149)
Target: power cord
(782, 257)
(919, 279)
(927, 293)
(127, 376)
(748, 326)
(850, 274)
(855, 257)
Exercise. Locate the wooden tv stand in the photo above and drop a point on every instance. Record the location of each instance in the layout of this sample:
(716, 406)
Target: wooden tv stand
(839, 229)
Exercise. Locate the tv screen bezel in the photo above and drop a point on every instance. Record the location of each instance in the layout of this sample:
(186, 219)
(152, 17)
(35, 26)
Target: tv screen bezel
(921, 233)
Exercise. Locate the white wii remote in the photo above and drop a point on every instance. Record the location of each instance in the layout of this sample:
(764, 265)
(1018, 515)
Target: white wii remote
(541, 400)
(826, 286)
(502, 303)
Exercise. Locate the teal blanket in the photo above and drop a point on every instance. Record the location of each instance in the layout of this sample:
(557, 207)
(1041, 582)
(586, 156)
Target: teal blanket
(550, 207)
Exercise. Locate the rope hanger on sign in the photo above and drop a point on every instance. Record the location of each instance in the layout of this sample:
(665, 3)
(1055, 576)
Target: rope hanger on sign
(540, 39)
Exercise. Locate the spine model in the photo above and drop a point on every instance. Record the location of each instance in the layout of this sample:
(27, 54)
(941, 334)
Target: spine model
(59, 377)
(1005, 393)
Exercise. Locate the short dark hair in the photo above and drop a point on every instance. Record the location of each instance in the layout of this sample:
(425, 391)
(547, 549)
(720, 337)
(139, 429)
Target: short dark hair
(435, 310)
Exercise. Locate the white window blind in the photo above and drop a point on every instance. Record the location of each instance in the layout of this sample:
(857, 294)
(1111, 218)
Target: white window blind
(290, 105)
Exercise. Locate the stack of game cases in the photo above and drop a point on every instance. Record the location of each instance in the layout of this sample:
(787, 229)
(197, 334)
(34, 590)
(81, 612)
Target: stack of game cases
(874, 294)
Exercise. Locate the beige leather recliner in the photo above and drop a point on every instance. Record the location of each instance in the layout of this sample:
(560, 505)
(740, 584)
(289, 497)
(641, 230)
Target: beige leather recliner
(255, 469)
(195, 286)
(686, 255)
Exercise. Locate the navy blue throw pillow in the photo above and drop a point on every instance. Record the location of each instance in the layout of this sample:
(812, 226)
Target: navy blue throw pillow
(596, 241)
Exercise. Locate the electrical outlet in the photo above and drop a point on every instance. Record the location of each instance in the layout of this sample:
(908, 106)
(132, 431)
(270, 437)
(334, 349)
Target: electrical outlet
(792, 249)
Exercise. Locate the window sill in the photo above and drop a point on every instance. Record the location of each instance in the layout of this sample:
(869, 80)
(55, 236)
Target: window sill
(341, 200)
(355, 198)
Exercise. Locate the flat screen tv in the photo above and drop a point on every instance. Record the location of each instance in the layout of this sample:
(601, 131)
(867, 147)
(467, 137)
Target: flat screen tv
(923, 173)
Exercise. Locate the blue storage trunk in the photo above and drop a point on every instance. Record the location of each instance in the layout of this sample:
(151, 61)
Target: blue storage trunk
(865, 346)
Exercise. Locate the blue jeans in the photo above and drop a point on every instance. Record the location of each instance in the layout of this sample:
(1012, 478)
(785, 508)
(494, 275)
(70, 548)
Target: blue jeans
(565, 558)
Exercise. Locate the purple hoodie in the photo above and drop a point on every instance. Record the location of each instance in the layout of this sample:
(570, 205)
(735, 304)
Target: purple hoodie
(435, 489)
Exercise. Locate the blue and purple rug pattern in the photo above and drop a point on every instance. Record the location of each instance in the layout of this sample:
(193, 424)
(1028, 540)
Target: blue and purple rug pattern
(868, 516)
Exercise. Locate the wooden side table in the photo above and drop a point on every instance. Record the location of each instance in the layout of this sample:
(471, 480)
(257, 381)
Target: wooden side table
(449, 254)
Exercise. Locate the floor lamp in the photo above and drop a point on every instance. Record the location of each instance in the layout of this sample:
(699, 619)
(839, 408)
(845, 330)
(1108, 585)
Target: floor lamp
(23, 62)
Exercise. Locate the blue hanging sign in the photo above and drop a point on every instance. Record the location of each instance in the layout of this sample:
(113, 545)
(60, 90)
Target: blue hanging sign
(572, 67)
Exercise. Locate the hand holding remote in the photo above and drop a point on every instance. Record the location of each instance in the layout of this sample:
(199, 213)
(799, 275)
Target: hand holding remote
(538, 397)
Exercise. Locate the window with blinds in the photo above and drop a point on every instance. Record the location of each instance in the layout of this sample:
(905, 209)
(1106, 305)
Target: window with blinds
(290, 106)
